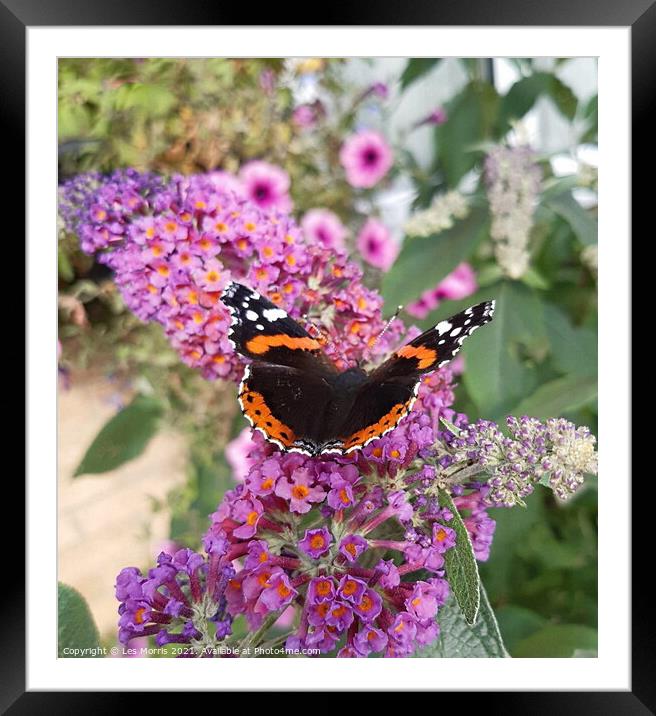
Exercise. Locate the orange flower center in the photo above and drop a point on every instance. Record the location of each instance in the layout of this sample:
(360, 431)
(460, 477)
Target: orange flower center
(300, 491)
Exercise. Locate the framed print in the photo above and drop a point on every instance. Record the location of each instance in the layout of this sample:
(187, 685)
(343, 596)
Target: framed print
(252, 432)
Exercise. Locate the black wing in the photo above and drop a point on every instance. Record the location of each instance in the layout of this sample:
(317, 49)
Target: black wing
(437, 346)
(290, 407)
(390, 391)
(262, 331)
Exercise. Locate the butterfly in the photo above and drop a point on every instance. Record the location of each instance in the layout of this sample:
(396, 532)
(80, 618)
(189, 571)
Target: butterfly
(296, 397)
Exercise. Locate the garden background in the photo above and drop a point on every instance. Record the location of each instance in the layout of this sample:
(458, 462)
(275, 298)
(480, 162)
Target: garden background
(169, 427)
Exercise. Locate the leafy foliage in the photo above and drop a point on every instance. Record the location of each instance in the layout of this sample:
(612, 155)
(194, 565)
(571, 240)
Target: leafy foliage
(123, 438)
(76, 627)
(459, 639)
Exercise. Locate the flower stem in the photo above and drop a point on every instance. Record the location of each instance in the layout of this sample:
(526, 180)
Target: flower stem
(254, 638)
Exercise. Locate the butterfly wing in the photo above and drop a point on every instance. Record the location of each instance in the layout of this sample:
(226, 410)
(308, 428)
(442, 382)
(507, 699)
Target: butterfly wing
(262, 331)
(437, 346)
(390, 391)
(290, 407)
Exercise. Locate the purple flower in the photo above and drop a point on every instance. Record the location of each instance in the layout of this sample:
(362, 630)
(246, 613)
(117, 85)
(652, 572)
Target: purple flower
(316, 542)
(370, 640)
(304, 116)
(369, 605)
(437, 116)
(277, 594)
(300, 491)
(422, 603)
(341, 495)
(351, 589)
(352, 546)
(266, 185)
(339, 615)
(366, 158)
(376, 246)
(324, 227)
(166, 602)
(321, 589)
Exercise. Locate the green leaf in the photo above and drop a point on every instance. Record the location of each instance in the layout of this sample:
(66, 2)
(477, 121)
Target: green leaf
(517, 623)
(461, 566)
(75, 625)
(123, 438)
(461, 640)
(590, 114)
(563, 97)
(498, 374)
(424, 262)
(574, 350)
(155, 100)
(557, 640)
(581, 222)
(525, 92)
(417, 67)
(559, 397)
(472, 119)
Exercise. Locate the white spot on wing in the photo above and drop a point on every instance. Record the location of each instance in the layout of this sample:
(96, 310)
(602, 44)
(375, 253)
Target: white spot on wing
(273, 314)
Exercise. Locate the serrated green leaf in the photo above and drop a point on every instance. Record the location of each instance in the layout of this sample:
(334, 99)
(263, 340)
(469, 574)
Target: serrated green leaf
(417, 67)
(425, 261)
(460, 640)
(75, 625)
(581, 222)
(461, 565)
(472, 119)
(123, 437)
(559, 397)
(557, 640)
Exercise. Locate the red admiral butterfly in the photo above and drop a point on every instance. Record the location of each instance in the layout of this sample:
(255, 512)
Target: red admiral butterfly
(296, 397)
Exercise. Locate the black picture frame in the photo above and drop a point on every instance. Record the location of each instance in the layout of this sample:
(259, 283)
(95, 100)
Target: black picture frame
(640, 15)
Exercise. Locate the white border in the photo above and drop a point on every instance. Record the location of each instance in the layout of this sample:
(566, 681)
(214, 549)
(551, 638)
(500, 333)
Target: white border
(611, 670)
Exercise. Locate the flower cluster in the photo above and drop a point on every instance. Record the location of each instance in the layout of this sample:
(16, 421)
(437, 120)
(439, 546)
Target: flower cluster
(174, 245)
(180, 601)
(460, 283)
(555, 452)
(439, 216)
(513, 182)
(321, 535)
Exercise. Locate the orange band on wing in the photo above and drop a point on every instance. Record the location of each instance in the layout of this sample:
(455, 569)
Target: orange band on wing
(256, 410)
(425, 356)
(261, 344)
(385, 424)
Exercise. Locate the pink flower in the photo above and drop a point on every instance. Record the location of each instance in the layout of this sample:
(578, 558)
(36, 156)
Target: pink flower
(266, 185)
(324, 227)
(237, 454)
(304, 116)
(366, 158)
(460, 283)
(376, 245)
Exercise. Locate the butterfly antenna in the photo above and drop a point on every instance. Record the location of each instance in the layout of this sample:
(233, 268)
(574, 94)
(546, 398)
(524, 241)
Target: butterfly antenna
(385, 328)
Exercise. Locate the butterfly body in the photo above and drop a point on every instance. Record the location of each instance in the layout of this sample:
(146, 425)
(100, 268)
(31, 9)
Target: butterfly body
(295, 396)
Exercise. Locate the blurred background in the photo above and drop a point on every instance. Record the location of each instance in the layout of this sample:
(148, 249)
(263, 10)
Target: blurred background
(492, 194)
